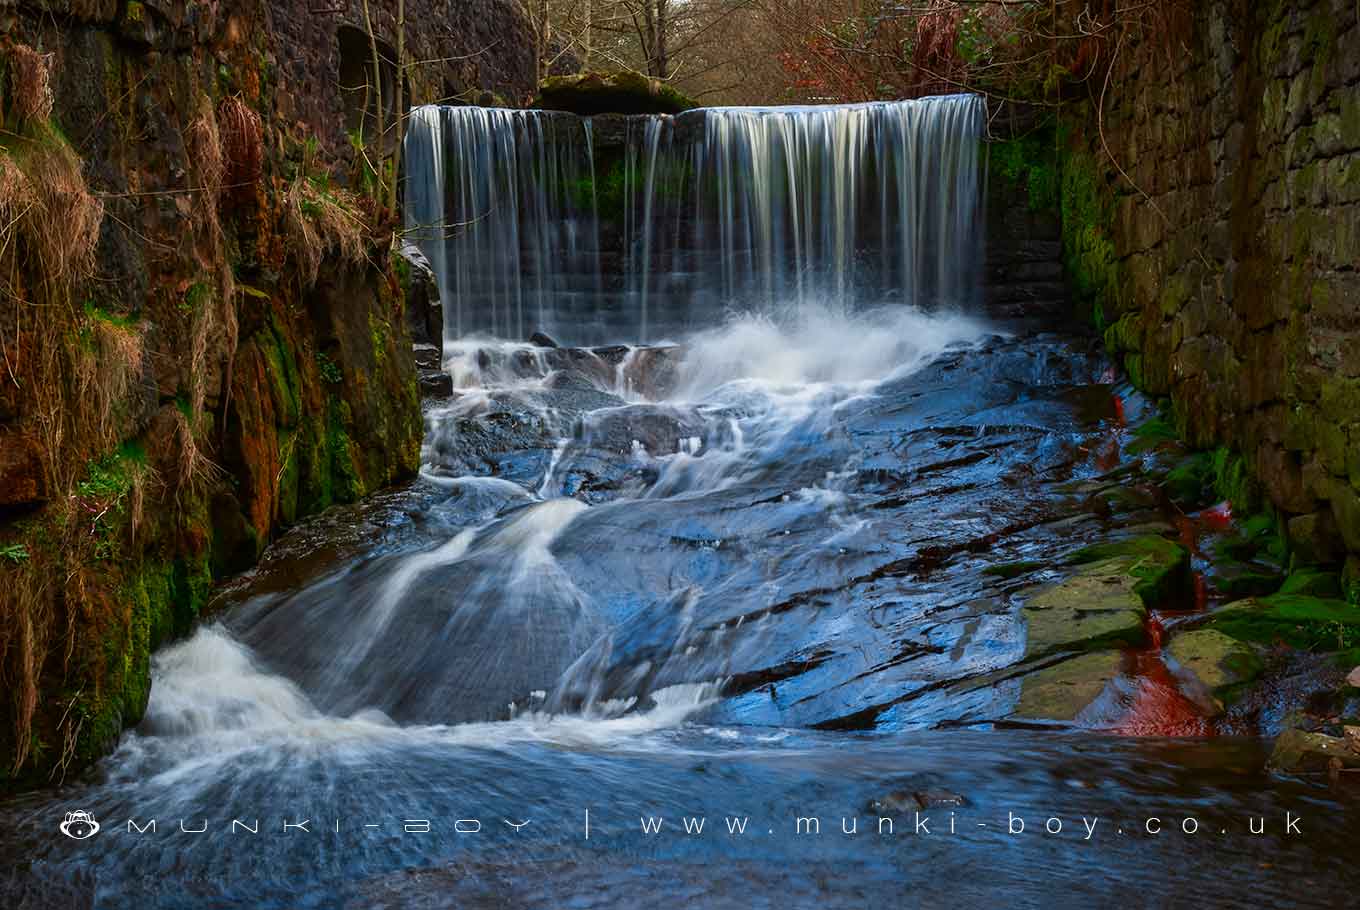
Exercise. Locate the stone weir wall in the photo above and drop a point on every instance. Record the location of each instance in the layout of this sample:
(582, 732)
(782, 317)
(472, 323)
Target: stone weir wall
(1021, 279)
(201, 321)
(1223, 267)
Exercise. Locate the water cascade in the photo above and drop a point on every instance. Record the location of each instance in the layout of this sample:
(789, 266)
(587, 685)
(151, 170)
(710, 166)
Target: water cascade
(646, 228)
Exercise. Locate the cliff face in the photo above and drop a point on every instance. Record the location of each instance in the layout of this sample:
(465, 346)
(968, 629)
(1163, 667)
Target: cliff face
(1224, 266)
(201, 323)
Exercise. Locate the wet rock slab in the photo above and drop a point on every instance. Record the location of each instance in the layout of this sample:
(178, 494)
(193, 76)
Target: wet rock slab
(1064, 691)
(1097, 606)
(1300, 751)
(1218, 662)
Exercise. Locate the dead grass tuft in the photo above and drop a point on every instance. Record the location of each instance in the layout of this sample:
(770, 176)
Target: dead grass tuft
(108, 372)
(30, 82)
(242, 141)
(50, 210)
(16, 198)
(322, 220)
(27, 619)
(195, 469)
(204, 145)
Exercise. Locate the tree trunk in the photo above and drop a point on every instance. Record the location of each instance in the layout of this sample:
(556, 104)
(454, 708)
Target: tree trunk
(662, 68)
(400, 124)
(379, 114)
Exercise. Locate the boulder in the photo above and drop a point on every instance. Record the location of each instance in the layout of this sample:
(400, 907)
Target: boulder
(424, 310)
(1296, 750)
(1312, 582)
(1217, 661)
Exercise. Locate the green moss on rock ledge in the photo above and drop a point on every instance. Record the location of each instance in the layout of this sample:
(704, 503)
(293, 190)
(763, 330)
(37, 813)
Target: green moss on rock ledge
(1160, 568)
(1062, 692)
(1221, 663)
(587, 94)
(1298, 620)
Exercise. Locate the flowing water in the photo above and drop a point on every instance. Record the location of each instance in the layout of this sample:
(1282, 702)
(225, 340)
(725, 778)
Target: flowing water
(737, 579)
(532, 221)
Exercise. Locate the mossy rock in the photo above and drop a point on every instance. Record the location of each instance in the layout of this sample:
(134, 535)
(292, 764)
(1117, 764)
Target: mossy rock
(1312, 582)
(1236, 579)
(1160, 567)
(1220, 662)
(1063, 691)
(1296, 750)
(1298, 620)
(1188, 481)
(587, 94)
(1098, 607)
(1012, 569)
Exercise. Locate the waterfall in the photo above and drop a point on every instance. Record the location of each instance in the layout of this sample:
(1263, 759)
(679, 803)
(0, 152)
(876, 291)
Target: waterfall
(645, 228)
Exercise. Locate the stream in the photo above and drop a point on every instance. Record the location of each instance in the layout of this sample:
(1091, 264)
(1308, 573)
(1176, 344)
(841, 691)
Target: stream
(652, 609)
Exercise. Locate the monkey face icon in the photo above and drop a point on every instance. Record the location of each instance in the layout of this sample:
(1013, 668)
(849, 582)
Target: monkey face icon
(79, 825)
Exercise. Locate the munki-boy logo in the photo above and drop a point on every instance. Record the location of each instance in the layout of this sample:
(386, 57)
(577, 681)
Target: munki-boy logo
(79, 825)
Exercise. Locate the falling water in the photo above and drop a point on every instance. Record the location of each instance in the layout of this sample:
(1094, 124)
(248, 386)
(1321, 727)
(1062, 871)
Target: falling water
(537, 220)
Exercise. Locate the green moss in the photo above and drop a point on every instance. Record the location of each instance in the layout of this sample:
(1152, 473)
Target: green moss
(347, 484)
(1247, 583)
(1152, 434)
(328, 369)
(119, 320)
(378, 332)
(1095, 608)
(1088, 251)
(1232, 481)
(1063, 691)
(605, 93)
(1012, 569)
(1310, 623)
(322, 464)
(1222, 663)
(195, 296)
(1133, 366)
(105, 489)
(284, 377)
(1029, 162)
(607, 197)
(1188, 481)
(402, 268)
(1160, 567)
(160, 600)
(1312, 582)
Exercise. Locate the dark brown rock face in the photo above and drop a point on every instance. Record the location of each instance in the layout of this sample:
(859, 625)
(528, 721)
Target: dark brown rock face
(236, 356)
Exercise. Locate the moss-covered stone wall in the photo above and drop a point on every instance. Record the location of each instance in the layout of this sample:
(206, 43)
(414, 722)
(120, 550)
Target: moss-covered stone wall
(234, 358)
(1221, 265)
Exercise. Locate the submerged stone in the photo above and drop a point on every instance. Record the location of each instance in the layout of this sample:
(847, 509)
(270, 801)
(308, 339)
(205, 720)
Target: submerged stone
(1063, 691)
